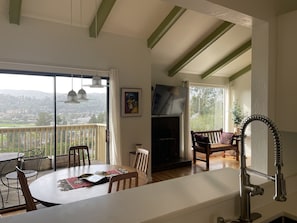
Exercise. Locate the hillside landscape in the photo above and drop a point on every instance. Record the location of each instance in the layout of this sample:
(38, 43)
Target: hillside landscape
(23, 107)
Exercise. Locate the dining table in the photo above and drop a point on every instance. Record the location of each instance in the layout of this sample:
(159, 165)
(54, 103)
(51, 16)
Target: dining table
(65, 186)
(5, 159)
(7, 156)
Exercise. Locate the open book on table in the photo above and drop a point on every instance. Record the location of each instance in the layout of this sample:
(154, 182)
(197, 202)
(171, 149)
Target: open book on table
(94, 178)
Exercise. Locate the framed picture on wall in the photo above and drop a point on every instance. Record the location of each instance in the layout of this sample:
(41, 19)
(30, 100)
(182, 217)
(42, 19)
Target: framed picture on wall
(131, 102)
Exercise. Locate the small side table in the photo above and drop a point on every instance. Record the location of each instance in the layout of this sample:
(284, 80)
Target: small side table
(236, 138)
(132, 158)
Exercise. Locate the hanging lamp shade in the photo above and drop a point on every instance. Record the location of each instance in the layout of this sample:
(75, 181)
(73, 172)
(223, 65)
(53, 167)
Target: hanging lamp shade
(72, 96)
(82, 95)
(96, 83)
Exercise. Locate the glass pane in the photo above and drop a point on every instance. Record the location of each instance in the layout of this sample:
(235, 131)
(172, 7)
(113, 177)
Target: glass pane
(26, 111)
(206, 108)
(80, 119)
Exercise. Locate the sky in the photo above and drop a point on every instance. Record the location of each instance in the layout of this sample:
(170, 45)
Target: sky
(45, 84)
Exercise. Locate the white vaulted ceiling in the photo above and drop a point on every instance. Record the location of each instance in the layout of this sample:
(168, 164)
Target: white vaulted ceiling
(190, 45)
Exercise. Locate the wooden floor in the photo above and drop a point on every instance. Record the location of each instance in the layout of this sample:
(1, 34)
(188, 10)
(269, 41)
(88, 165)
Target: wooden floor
(216, 162)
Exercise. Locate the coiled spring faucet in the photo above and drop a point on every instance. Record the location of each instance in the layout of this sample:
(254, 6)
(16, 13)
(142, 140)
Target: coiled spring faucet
(246, 188)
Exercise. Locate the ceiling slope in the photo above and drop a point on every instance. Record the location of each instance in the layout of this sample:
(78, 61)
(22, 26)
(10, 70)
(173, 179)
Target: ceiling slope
(180, 40)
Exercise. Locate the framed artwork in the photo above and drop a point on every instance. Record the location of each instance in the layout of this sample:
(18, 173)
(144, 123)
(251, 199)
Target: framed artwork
(131, 102)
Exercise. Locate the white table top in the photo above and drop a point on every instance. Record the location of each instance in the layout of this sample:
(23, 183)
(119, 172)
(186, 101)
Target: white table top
(46, 188)
(9, 156)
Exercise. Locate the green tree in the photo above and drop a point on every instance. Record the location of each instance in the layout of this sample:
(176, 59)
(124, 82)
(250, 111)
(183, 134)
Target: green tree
(101, 118)
(93, 119)
(43, 119)
(237, 114)
(206, 108)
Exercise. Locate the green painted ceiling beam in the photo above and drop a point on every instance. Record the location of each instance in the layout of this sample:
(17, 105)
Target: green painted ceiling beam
(241, 72)
(165, 25)
(203, 45)
(15, 7)
(228, 59)
(100, 17)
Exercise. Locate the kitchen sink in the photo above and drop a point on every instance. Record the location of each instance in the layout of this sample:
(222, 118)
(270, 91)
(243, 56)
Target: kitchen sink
(283, 219)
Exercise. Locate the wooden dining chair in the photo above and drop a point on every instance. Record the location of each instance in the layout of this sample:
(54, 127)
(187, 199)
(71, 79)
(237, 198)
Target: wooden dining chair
(123, 181)
(78, 155)
(141, 161)
(30, 204)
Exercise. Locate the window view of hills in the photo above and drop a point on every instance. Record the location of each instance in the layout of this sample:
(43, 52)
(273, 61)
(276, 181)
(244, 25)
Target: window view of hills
(36, 108)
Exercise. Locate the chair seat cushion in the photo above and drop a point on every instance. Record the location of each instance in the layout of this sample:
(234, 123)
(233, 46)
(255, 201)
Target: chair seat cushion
(226, 138)
(219, 147)
(28, 174)
(201, 140)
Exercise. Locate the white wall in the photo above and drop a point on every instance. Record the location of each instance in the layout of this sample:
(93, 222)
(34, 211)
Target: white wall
(44, 43)
(287, 66)
(240, 90)
(286, 105)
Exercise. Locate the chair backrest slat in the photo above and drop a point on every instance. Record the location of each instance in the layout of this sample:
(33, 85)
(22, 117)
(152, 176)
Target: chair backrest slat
(141, 161)
(123, 181)
(78, 154)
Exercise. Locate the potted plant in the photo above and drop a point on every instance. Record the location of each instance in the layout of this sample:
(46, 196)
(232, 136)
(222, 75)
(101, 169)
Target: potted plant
(237, 116)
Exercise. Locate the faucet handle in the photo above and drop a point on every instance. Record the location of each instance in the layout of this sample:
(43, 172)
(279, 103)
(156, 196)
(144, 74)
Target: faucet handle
(222, 220)
(256, 190)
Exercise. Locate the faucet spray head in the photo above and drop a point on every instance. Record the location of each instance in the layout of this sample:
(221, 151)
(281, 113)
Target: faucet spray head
(280, 187)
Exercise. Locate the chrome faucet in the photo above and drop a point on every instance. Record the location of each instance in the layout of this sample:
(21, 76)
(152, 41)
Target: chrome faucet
(246, 188)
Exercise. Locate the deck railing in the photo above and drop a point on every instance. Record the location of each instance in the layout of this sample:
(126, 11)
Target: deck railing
(25, 138)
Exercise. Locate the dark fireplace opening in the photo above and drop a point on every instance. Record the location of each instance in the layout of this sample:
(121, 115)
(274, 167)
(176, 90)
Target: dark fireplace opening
(166, 143)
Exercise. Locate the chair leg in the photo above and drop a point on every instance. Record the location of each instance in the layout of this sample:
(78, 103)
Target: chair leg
(2, 200)
(18, 192)
(207, 155)
(194, 156)
(237, 154)
(8, 190)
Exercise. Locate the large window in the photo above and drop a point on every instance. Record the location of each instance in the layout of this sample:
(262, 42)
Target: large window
(206, 108)
(28, 100)
(37, 113)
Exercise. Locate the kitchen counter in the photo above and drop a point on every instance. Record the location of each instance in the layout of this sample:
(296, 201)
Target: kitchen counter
(208, 195)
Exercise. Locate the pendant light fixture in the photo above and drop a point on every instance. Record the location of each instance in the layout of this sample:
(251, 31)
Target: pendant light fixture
(82, 94)
(72, 96)
(96, 83)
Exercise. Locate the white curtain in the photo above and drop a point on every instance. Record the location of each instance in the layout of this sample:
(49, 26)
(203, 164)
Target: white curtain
(114, 118)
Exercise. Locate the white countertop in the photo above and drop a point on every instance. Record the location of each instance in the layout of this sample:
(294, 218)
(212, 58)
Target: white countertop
(146, 202)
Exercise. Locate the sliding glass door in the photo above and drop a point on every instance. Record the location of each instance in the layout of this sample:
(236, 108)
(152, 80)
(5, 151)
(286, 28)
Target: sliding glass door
(51, 112)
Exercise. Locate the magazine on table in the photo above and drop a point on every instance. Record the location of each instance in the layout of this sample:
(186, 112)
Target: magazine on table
(113, 172)
(101, 176)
